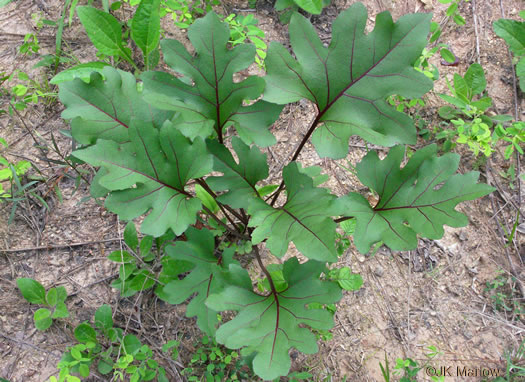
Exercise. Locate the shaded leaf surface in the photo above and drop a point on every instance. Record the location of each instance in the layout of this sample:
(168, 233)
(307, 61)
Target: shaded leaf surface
(149, 173)
(207, 276)
(417, 199)
(513, 32)
(270, 325)
(104, 109)
(239, 179)
(303, 219)
(350, 80)
(213, 101)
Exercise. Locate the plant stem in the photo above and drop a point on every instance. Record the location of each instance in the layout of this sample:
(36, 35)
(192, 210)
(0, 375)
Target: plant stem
(310, 131)
(204, 185)
(265, 271)
(69, 163)
(37, 143)
(342, 219)
(129, 59)
(232, 231)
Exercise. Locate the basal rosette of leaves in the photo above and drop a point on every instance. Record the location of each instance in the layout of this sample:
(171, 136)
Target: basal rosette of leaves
(184, 150)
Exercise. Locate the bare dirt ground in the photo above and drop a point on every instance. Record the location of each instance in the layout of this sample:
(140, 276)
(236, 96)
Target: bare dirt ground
(433, 296)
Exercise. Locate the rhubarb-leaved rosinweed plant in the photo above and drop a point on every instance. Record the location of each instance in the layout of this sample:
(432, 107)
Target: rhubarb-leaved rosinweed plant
(157, 139)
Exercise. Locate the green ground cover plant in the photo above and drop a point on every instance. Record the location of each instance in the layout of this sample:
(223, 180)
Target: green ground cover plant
(54, 300)
(115, 354)
(470, 122)
(187, 151)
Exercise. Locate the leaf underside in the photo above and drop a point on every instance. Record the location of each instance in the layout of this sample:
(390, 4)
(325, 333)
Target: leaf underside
(417, 199)
(350, 79)
(149, 173)
(213, 102)
(305, 218)
(270, 325)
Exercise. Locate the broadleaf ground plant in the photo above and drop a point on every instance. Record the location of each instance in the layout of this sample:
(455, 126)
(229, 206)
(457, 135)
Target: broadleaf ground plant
(187, 151)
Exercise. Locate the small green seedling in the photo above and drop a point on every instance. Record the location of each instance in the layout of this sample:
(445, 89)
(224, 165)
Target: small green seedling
(407, 369)
(54, 299)
(105, 32)
(471, 125)
(104, 345)
(7, 169)
(514, 134)
(215, 363)
(504, 296)
(453, 11)
(136, 269)
(244, 29)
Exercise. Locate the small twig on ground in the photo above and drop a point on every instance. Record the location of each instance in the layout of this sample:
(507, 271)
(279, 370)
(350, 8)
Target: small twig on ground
(59, 246)
(29, 131)
(171, 363)
(34, 347)
(500, 189)
(21, 138)
(93, 283)
(475, 17)
(520, 330)
(509, 259)
(395, 327)
(409, 293)
(516, 109)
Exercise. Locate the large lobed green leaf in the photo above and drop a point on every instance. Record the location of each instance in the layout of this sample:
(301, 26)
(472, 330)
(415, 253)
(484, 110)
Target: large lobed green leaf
(210, 273)
(239, 179)
(149, 173)
(104, 108)
(417, 199)
(213, 101)
(305, 218)
(350, 79)
(270, 325)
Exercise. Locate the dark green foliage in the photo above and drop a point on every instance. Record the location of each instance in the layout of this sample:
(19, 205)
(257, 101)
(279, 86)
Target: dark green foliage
(214, 102)
(350, 80)
(166, 147)
(417, 199)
